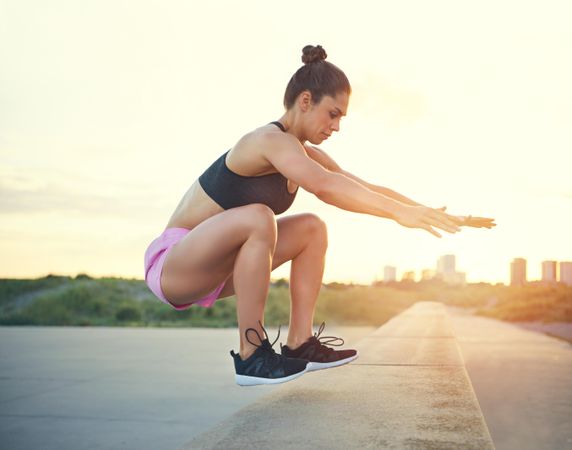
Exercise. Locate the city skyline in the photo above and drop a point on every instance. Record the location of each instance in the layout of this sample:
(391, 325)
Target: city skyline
(550, 270)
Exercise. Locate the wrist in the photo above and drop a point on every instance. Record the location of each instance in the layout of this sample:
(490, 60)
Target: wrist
(396, 209)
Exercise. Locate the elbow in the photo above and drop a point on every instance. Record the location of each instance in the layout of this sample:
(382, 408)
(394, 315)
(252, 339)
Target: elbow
(324, 187)
(318, 189)
(323, 196)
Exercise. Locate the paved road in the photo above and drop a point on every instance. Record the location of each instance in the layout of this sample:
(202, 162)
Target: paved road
(408, 389)
(523, 382)
(69, 388)
(137, 388)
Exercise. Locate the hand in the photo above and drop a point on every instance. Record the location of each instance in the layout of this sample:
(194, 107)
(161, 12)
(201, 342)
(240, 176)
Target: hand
(477, 222)
(470, 221)
(458, 220)
(426, 218)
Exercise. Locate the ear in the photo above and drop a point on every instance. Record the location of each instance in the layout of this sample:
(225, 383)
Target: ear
(305, 101)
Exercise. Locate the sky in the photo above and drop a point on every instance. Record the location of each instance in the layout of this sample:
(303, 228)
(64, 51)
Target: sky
(109, 110)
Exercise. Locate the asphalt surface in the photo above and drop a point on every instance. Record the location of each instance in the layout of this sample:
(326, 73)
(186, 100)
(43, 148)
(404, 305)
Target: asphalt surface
(73, 388)
(142, 388)
(408, 389)
(523, 382)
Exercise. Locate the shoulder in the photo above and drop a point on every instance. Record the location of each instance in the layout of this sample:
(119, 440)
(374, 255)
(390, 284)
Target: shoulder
(268, 136)
(256, 152)
(270, 140)
(271, 134)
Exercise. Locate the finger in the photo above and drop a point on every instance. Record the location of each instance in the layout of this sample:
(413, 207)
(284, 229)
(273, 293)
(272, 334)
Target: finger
(483, 220)
(480, 224)
(443, 226)
(443, 222)
(446, 219)
(431, 230)
(456, 220)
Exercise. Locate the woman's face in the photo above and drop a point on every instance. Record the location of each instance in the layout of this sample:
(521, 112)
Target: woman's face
(323, 119)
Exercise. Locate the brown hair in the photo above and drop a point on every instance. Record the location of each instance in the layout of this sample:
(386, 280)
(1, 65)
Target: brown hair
(317, 75)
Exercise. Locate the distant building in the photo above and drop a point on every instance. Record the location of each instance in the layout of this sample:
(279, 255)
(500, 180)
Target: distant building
(566, 272)
(518, 272)
(408, 276)
(457, 278)
(389, 274)
(446, 264)
(446, 271)
(427, 274)
(549, 271)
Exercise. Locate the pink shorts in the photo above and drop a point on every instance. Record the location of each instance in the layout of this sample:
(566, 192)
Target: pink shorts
(154, 259)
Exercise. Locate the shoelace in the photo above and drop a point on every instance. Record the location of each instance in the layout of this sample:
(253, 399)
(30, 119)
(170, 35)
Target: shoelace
(327, 340)
(266, 345)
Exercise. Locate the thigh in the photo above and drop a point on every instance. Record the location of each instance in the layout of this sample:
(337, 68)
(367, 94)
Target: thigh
(294, 234)
(205, 257)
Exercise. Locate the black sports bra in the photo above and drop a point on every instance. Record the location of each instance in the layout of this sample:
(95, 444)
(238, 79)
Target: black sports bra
(231, 190)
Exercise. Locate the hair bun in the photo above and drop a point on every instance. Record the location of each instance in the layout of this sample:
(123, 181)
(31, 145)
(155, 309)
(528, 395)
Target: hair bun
(312, 54)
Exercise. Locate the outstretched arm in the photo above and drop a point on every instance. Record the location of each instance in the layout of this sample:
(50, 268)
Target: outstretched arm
(382, 190)
(287, 155)
(464, 221)
(328, 162)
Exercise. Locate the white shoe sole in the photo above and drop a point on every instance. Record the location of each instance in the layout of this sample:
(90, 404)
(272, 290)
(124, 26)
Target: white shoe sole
(318, 366)
(245, 380)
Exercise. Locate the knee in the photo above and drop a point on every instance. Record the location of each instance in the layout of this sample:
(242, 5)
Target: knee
(316, 229)
(261, 220)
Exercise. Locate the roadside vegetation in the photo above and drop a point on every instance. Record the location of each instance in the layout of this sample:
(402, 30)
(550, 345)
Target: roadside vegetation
(86, 301)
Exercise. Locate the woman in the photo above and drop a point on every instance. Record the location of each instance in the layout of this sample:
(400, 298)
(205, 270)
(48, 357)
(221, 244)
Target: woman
(223, 238)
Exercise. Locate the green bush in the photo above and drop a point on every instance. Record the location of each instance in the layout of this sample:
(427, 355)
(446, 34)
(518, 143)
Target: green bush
(12, 290)
(128, 313)
(535, 302)
(83, 276)
(83, 301)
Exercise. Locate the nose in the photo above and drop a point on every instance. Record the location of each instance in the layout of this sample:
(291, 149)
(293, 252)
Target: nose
(335, 125)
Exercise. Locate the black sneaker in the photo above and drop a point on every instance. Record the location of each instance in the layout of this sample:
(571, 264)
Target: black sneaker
(265, 366)
(319, 356)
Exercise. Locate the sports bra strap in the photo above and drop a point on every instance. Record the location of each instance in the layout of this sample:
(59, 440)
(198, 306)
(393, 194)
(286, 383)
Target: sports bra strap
(279, 125)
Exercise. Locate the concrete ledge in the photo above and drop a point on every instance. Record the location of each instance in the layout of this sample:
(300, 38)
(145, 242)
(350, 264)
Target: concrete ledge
(408, 389)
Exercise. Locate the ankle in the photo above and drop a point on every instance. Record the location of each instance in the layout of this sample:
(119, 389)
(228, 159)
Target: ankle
(246, 352)
(294, 343)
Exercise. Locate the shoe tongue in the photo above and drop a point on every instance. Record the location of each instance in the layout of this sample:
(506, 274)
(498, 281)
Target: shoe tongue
(266, 348)
(313, 339)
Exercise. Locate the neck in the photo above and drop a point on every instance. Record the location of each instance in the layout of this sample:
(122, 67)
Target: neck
(293, 125)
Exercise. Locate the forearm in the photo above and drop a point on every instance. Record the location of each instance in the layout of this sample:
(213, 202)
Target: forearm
(392, 194)
(348, 194)
(380, 190)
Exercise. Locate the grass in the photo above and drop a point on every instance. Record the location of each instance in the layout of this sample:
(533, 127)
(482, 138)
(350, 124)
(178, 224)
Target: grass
(85, 301)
